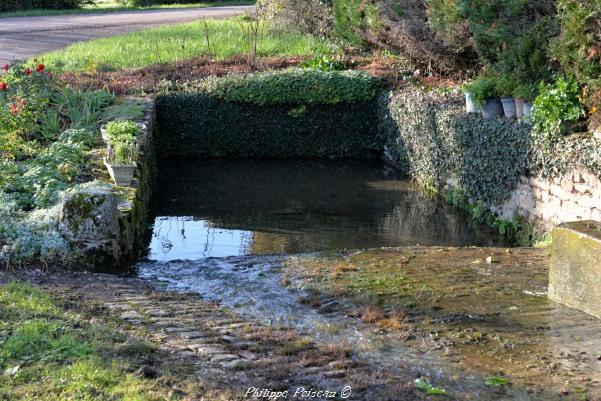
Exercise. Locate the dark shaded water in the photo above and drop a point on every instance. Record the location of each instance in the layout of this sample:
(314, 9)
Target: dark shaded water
(231, 208)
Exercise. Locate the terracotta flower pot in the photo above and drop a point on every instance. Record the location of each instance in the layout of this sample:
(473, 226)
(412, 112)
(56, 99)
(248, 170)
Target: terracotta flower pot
(519, 107)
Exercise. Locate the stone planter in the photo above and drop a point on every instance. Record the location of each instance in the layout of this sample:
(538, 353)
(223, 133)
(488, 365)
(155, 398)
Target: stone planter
(122, 175)
(470, 106)
(519, 107)
(575, 272)
(509, 108)
(492, 109)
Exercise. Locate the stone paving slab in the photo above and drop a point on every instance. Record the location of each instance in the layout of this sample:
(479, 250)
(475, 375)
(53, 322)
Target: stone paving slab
(26, 37)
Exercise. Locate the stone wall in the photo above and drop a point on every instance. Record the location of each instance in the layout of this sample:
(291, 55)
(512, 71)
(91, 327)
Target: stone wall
(497, 165)
(574, 197)
(105, 225)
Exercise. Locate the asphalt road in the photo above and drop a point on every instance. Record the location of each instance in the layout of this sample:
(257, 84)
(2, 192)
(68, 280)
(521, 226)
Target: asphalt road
(25, 37)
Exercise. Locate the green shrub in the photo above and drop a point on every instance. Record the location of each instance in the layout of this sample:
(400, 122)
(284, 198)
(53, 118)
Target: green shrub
(578, 47)
(325, 63)
(122, 131)
(506, 85)
(308, 16)
(483, 88)
(525, 91)
(21, 5)
(510, 37)
(557, 103)
(293, 86)
(123, 153)
(445, 18)
(347, 20)
(47, 131)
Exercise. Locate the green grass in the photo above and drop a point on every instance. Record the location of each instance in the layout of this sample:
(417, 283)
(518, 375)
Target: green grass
(178, 42)
(48, 352)
(112, 6)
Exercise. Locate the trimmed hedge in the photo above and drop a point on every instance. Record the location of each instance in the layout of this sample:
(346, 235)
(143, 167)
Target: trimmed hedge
(292, 113)
(293, 86)
(22, 5)
(429, 136)
(200, 125)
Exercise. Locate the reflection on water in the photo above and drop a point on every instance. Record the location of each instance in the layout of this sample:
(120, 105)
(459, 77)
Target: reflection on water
(224, 229)
(232, 208)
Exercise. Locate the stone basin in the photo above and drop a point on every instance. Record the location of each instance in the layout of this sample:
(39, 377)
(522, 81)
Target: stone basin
(575, 272)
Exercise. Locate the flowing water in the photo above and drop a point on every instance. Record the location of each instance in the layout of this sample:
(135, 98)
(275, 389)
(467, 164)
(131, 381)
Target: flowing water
(224, 229)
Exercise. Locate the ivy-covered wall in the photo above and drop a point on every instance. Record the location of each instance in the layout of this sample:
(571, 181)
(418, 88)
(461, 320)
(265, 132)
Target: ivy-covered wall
(198, 125)
(499, 165)
(286, 114)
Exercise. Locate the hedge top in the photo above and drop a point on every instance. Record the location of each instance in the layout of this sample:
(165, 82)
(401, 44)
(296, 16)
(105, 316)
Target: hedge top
(293, 86)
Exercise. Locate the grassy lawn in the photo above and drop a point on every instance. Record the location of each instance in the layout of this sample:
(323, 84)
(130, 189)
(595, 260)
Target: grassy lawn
(111, 6)
(48, 351)
(178, 42)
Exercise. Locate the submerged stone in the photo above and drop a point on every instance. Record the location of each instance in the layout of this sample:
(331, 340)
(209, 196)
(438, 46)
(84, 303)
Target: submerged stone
(575, 274)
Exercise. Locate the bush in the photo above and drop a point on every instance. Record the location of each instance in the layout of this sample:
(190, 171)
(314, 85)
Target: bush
(483, 88)
(292, 87)
(22, 5)
(402, 25)
(308, 16)
(578, 48)
(47, 132)
(348, 16)
(557, 103)
(122, 131)
(325, 63)
(445, 18)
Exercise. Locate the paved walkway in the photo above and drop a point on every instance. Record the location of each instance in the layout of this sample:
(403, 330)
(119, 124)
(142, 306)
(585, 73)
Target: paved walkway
(25, 37)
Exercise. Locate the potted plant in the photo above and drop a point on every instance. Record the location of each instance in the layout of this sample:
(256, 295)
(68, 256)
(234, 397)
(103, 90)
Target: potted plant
(470, 104)
(505, 87)
(524, 95)
(120, 129)
(121, 162)
(485, 95)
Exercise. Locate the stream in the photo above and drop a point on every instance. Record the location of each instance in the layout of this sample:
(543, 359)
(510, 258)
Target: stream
(224, 229)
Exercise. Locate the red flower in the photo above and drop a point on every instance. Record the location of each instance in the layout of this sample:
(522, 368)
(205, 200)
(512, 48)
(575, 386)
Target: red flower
(40, 68)
(27, 71)
(6, 67)
(3, 86)
(13, 109)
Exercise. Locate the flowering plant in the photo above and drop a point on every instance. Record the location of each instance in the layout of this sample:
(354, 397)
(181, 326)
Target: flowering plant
(24, 98)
